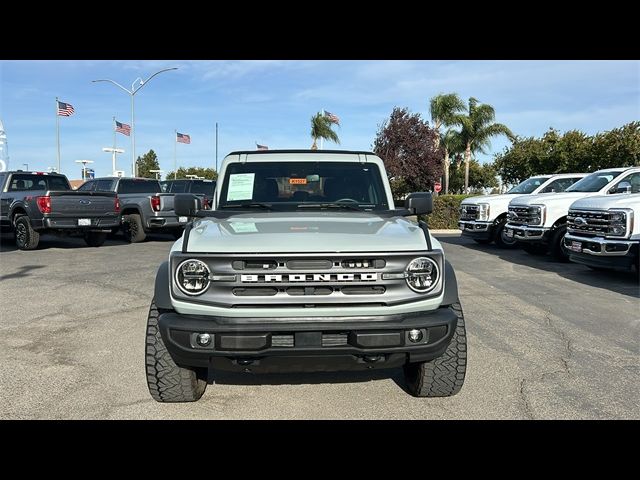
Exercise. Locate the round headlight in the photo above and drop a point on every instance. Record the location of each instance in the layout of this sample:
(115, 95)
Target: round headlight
(192, 277)
(422, 274)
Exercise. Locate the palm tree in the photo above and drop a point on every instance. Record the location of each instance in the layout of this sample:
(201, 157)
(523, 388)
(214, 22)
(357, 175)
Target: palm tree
(477, 128)
(443, 109)
(452, 143)
(321, 128)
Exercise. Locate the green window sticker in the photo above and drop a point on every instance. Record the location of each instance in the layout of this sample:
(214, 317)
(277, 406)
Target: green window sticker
(243, 227)
(240, 186)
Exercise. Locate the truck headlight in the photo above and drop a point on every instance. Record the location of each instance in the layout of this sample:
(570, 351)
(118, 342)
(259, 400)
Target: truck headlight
(422, 274)
(537, 214)
(483, 211)
(192, 277)
(620, 222)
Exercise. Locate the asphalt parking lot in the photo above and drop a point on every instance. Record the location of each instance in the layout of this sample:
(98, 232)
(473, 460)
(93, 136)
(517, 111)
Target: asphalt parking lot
(545, 341)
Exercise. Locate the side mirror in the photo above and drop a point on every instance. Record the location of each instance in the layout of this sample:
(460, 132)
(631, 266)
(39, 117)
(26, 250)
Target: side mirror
(420, 203)
(623, 187)
(186, 204)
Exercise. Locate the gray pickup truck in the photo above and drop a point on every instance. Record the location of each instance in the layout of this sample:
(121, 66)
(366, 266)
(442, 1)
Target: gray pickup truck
(145, 208)
(33, 203)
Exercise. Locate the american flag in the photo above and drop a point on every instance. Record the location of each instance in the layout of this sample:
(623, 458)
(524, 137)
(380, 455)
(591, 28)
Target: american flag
(183, 138)
(123, 128)
(332, 117)
(261, 147)
(65, 109)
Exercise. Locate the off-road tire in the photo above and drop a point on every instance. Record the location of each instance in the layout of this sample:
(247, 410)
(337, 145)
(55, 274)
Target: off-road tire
(95, 239)
(442, 376)
(537, 249)
(500, 240)
(167, 381)
(132, 228)
(556, 246)
(25, 236)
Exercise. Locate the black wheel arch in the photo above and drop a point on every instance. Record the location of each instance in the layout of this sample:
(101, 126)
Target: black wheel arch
(450, 285)
(162, 287)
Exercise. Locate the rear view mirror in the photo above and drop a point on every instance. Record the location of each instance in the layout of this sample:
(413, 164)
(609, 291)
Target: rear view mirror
(623, 187)
(186, 204)
(419, 203)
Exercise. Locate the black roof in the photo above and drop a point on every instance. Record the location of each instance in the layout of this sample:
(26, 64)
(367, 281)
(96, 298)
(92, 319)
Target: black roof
(267, 152)
(34, 172)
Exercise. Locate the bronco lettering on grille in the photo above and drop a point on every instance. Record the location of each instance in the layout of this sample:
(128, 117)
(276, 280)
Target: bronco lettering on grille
(309, 277)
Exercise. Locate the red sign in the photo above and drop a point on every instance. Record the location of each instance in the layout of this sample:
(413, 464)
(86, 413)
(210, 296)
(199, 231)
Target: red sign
(437, 187)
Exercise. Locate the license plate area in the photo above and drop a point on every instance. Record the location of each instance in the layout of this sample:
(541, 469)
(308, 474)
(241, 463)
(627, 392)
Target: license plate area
(509, 233)
(84, 222)
(575, 247)
(182, 219)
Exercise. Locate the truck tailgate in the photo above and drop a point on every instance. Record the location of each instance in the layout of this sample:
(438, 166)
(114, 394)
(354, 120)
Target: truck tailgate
(166, 201)
(82, 204)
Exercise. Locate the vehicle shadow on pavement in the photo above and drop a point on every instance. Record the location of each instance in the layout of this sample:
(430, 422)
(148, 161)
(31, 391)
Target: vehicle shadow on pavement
(22, 272)
(309, 378)
(622, 282)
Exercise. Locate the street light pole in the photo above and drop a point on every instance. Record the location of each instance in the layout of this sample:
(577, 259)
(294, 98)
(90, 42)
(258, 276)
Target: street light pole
(132, 93)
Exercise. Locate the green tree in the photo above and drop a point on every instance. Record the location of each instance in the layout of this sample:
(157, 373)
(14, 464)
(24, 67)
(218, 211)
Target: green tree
(321, 128)
(443, 109)
(477, 127)
(573, 151)
(481, 176)
(407, 145)
(148, 161)
(182, 172)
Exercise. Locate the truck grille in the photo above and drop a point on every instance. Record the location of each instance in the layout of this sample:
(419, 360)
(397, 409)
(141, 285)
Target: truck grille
(307, 281)
(469, 212)
(588, 223)
(523, 215)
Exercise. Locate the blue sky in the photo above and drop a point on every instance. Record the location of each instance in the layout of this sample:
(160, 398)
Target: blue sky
(271, 102)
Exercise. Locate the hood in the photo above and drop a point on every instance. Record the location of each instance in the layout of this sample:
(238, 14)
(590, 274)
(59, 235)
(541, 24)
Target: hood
(547, 199)
(299, 232)
(490, 199)
(602, 202)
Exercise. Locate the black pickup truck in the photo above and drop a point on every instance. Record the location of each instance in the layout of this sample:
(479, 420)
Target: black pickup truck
(33, 203)
(202, 188)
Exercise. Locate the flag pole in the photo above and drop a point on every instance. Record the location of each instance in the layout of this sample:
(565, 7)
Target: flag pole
(175, 154)
(58, 133)
(114, 133)
(216, 148)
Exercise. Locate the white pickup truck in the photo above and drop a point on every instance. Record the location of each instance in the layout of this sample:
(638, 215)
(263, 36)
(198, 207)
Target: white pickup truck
(539, 222)
(483, 218)
(604, 231)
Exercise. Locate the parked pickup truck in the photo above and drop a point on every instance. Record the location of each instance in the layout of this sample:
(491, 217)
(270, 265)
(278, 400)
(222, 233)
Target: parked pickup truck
(305, 263)
(34, 203)
(539, 222)
(483, 218)
(604, 231)
(201, 187)
(144, 208)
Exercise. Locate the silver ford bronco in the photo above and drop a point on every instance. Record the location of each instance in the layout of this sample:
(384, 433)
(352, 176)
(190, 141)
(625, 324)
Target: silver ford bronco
(304, 264)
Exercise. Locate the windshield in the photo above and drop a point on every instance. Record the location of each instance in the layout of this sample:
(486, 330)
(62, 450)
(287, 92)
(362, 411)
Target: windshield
(291, 185)
(529, 185)
(206, 187)
(594, 182)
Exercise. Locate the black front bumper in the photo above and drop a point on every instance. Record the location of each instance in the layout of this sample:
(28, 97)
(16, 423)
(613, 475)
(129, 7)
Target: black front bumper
(325, 344)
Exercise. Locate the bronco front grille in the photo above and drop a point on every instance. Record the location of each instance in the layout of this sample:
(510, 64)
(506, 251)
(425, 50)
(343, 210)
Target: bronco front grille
(308, 280)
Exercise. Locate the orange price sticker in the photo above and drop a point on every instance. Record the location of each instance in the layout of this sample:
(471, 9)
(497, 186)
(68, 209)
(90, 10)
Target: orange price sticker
(297, 181)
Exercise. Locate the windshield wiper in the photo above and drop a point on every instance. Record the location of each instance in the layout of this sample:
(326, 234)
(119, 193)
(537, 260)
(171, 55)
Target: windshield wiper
(264, 206)
(343, 206)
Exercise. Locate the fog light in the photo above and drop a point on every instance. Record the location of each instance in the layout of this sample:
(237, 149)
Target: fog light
(203, 339)
(415, 335)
